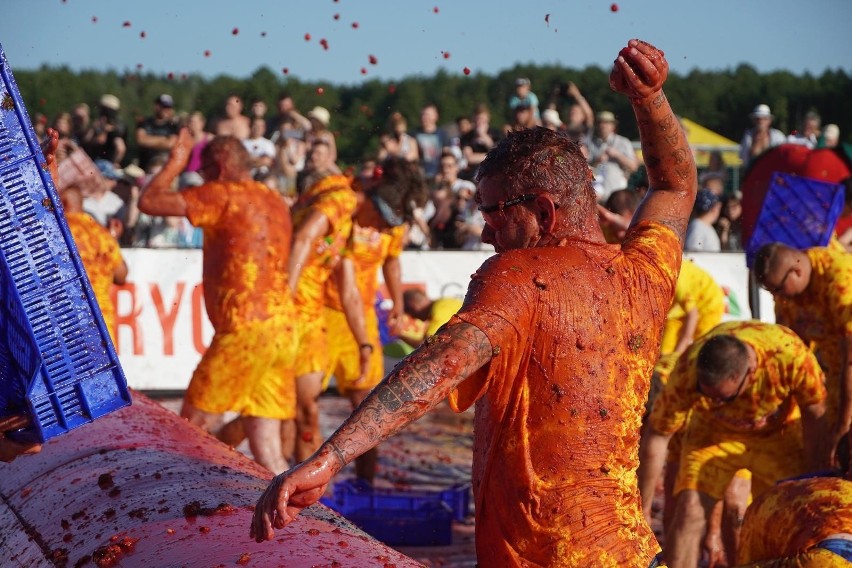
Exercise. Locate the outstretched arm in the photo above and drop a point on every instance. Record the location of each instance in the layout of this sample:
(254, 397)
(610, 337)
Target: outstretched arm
(159, 198)
(639, 73)
(424, 378)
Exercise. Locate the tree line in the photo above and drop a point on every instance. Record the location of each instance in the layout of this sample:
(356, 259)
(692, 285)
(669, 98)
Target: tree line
(719, 100)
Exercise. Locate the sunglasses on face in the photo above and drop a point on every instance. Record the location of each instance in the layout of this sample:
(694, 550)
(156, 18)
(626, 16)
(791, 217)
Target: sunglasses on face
(503, 205)
(727, 399)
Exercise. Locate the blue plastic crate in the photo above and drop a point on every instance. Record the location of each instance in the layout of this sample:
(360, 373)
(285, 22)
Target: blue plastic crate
(57, 361)
(358, 494)
(797, 211)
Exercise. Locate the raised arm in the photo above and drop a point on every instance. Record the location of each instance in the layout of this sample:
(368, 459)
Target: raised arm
(639, 73)
(160, 197)
(424, 378)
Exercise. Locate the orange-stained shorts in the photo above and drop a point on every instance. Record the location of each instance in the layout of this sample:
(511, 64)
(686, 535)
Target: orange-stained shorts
(249, 370)
(312, 345)
(708, 463)
(813, 558)
(344, 357)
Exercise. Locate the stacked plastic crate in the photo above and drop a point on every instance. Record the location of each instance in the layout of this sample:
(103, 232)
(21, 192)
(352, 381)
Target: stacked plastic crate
(57, 362)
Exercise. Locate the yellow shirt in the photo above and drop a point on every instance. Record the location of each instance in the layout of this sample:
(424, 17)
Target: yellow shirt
(695, 289)
(822, 314)
(101, 255)
(334, 198)
(368, 250)
(787, 374)
(442, 310)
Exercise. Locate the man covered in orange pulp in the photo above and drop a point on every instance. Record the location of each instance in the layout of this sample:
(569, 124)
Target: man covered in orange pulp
(248, 367)
(378, 233)
(322, 220)
(750, 396)
(555, 344)
(99, 252)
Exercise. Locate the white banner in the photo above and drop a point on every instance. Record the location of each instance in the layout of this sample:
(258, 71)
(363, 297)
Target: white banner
(162, 326)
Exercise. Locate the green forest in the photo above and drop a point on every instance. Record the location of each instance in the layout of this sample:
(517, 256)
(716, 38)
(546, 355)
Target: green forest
(719, 100)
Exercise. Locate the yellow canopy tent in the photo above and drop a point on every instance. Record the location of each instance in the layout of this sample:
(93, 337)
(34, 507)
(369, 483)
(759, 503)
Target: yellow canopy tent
(704, 141)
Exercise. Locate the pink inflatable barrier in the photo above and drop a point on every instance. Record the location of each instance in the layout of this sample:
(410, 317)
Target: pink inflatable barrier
(141, 487)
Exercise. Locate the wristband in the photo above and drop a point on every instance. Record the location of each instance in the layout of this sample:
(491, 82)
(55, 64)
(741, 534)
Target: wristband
(367, 345)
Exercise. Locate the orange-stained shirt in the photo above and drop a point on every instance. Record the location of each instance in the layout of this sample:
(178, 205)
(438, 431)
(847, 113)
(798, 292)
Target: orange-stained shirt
(369, 248)
(695, 289)
(575, 331)
(101, 255)
(787, 374)
(822, 314)
(333, 197)
(247, 233)
(794, 516)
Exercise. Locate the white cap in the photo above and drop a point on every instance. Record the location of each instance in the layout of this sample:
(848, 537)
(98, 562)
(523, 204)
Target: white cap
(761, 111)
(551, 116)
(321, 114)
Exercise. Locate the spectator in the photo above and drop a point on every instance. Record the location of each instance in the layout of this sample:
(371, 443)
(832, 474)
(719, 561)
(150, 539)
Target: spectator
(395, 142)
(700, 235)
(478, 141)
(233, 122)
(830, 136)
(66, 145)
(581, 118)
(431, 141)
(760, 137)
(469, 222)
(444, 197)
(200, 137)
(550, 119)
(261, 149)
(712, 182)
(156, 134)
(105, 139)
(611, 155)
(522, 117)
(258, 109)
(729, 226)
(617, 213)
(80, 117)
(843, 228)
(103, 204)
(319, 119)
(524, 96)
(809, 134)
(287, 118)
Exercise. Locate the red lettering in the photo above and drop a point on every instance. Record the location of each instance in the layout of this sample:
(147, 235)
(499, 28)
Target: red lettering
(198, 311)
(167, 318)
(128, 318)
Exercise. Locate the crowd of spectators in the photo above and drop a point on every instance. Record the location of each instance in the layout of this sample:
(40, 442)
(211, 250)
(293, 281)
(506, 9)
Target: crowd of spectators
(449, 152)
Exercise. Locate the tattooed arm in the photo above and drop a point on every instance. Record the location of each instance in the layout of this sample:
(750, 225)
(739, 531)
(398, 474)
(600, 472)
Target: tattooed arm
(639, 73)
(414, 387)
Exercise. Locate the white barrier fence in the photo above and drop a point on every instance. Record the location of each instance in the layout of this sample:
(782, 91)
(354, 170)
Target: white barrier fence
(163, 327)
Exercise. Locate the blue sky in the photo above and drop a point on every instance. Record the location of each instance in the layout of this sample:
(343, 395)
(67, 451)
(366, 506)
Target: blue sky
(410, 37)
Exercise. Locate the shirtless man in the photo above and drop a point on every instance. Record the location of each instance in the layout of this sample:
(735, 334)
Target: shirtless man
(555, 345)
(234, 122)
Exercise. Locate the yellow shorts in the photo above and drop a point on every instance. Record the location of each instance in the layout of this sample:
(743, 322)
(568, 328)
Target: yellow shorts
(344, 355)
(312, 344)
(709, 460)
(248, 370)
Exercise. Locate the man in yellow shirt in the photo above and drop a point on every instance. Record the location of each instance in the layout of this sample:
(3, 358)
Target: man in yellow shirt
(434, 312)
(322, 226)
(378, 234)
(813, 296)
(741, 387)
(698, 306)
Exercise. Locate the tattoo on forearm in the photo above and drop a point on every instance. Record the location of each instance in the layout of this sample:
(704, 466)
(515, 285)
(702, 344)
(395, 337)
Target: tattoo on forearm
(415, 386)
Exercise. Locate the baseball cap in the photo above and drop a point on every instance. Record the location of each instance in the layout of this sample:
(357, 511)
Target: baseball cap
(110, 101)
(606, 116)
(551, 116)
(761, 111)
(321, 114)
(165, 101)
